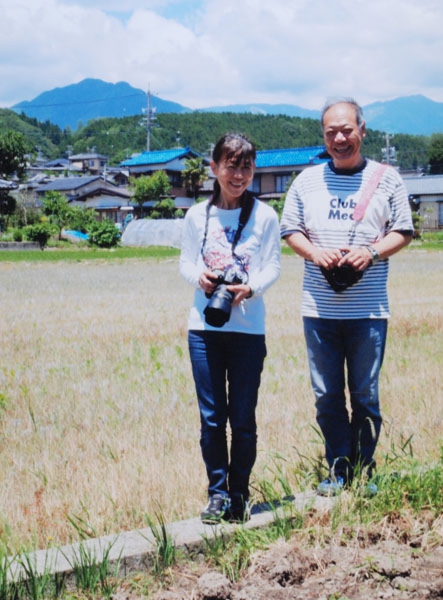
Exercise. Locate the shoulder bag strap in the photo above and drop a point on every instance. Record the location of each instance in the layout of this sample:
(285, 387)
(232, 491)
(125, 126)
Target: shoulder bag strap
(368, 192)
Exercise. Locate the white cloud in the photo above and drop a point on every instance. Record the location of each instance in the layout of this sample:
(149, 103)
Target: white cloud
(207, 52)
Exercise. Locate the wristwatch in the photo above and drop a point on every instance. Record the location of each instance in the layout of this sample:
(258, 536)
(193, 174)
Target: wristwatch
(375, 256)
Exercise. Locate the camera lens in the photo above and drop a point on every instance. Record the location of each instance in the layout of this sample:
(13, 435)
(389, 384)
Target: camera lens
(218, 309)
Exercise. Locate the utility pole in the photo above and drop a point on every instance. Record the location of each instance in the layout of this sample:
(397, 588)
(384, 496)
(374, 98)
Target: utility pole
(150, 118)
(389, 152)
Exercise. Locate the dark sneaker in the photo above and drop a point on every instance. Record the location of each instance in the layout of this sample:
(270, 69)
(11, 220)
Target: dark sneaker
(216, 509)
(331, 486)
(239, 511)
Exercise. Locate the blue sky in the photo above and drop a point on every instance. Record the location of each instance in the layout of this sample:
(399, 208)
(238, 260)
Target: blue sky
(204, 53)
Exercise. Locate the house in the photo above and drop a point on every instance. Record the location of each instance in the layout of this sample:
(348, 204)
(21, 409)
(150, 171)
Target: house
(8, 185)
(172, 161)
(90, 162)
(57, 167)
(108, 199)
(275, 168)
(426, 197)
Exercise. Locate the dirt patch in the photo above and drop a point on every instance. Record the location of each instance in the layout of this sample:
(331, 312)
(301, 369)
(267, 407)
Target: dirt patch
(376, 568)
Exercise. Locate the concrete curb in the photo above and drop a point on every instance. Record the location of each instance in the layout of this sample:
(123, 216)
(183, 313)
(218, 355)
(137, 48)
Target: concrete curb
(135, 550)
(19, 246)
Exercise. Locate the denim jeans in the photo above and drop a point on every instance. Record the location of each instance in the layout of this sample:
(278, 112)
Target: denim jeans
(227, 368)
(355, 347)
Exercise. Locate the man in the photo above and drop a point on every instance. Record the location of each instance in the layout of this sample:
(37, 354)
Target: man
(352, 213)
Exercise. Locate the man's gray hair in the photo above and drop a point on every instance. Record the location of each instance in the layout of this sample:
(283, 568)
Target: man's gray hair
(344, 100)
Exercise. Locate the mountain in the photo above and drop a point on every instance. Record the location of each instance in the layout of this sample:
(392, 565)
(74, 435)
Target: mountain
(416, 115)
(92, 99)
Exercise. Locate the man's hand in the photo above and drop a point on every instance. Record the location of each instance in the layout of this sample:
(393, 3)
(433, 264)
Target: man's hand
(358, 258)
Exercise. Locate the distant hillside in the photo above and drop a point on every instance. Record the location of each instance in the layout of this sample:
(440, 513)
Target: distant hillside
(93, 99)
(291, 110)
(41, 139)
(416, 115)
(90, 99)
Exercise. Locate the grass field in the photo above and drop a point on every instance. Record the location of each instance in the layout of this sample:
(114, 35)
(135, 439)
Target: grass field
(99, 424)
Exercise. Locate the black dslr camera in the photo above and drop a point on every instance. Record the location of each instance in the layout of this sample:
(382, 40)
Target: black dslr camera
(340, 278)
(218, 309)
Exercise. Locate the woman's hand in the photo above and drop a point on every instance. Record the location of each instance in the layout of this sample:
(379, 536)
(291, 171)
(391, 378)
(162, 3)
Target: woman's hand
(242, 291)
(208, 281)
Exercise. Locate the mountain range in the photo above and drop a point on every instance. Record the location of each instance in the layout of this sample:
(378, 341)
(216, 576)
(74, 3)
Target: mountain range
(74, 105)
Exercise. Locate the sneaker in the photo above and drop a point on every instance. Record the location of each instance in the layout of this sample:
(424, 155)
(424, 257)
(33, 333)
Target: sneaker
(216, 509)
(239, 511)
(370, 490)
(331, 486)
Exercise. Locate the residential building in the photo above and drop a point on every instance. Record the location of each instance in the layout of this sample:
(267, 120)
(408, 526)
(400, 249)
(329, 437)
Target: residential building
(89, 162)
(109, 200)
(275, 168)
(172, 162)
(426, 197)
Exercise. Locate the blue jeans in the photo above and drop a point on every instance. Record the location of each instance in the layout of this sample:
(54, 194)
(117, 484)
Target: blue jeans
(227, 368)
(358, 345)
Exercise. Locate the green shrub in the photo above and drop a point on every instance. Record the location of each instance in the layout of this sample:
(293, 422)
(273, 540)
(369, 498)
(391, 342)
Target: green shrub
(40, 232)
(165, 209)
(17, 235)
(103, 234)
(81, 219)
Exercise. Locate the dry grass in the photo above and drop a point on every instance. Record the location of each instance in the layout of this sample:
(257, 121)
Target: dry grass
(99, 423)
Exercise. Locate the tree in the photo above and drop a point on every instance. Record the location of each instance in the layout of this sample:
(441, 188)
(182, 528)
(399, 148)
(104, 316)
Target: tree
(13, 150)
(194, 175)
(81, 219)
(165, 209)
(153, 187)
(8, 205)
(103, 234)
(55, 206)
(39, 232)
(436, 154)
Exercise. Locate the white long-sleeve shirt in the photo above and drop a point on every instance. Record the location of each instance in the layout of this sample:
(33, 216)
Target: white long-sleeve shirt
(258, 247)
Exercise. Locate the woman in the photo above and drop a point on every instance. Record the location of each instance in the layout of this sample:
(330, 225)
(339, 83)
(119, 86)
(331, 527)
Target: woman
(231, 255)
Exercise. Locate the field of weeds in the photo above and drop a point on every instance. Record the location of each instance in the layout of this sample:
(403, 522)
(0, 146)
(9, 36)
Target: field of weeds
(98, 419)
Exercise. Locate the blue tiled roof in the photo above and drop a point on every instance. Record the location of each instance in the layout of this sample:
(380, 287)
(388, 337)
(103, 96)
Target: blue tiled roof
(289, 157)
(158, 157)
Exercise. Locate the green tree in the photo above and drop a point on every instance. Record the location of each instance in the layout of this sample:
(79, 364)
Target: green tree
(436, 154)
(55, 206)
(81, 219)
(152, 187)
(39, 232)
(13, 150)
(194, 174)
(8, 205)
(165, 209)
(103, 234)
